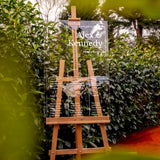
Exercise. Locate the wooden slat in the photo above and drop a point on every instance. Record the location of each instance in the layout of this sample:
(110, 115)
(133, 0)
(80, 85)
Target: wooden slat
(59, 90)
(74, 19)
(75, 52)
(78, 127)
(64, 151)
(54, 142)
(83, 151)
(57, 111)
(73, 11)
(97, 103)
(71, 79)
(78, 120)
(93, 150)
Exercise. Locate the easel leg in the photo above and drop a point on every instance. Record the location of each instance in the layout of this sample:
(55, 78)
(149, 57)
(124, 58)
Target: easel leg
(97, 102)
(104, 136)
(78, 127)
(57, 111)
(54, 142)
(78, 141)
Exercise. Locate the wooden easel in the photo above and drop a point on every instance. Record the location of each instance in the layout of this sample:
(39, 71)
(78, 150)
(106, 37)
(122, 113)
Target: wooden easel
(77, 119)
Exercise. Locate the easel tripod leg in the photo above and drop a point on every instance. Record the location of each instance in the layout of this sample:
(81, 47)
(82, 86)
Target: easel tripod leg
(54, 142)
(78, 141)
(78, 127)
(104, 136)
(57, 111)
(97, 103)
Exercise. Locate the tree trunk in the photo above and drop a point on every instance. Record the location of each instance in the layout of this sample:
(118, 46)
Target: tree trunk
(139, 30)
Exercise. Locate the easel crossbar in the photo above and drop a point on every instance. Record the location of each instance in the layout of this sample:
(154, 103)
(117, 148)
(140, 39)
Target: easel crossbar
(83, 151)
(74, 19)
(78, 120)
(70, 79)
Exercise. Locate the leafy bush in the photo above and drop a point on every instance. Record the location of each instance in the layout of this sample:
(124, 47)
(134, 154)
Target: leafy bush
(24, 43)
(134, 88)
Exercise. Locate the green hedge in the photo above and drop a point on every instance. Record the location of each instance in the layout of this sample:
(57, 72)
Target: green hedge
(134, 88)
(24, 43)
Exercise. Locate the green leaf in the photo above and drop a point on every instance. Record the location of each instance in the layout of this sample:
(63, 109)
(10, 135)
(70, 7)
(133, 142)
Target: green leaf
(5, 10)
